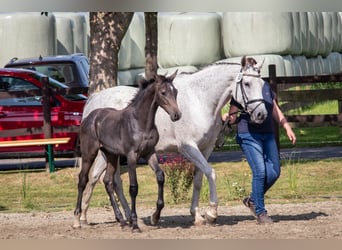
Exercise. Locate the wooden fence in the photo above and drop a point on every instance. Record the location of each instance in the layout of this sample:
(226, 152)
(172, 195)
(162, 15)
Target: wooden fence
(284, 89)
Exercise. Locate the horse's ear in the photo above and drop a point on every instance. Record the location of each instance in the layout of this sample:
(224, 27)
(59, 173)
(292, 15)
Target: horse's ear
(243, 61)
(173, 75)
(259, 65)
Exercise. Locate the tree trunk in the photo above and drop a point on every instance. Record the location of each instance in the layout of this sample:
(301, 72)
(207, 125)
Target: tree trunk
(151, 46)
(107, 30)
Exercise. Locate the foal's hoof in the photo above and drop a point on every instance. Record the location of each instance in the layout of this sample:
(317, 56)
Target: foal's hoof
(155, 219)
(136, 229)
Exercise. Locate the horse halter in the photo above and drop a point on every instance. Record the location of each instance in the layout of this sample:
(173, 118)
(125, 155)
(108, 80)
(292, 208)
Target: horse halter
(246, 102)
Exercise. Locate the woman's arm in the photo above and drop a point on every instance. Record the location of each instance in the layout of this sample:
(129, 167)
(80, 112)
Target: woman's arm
(231, 115)
(280, 118)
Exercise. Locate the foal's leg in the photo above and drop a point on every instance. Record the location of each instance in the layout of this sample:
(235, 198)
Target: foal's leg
(153, 162)
(109, 185)
(99, 166)
(83, 178)
(133, 189)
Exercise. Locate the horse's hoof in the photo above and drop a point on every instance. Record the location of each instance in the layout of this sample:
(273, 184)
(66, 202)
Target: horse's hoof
(84, 223)
(154, 219)
(210, 219)
(136, 230)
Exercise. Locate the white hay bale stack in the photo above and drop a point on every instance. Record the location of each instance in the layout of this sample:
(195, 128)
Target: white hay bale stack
(132, 50)
(188, 39)
(64, 35)
(80, 30)
(251, 33)
(304, 31)
(26, 34)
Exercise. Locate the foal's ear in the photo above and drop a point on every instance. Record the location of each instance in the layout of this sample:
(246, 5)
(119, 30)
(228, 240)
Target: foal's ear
(173, 75)
(243, 61)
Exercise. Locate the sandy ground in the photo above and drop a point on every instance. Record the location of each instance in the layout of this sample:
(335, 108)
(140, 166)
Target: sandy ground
(320, 220)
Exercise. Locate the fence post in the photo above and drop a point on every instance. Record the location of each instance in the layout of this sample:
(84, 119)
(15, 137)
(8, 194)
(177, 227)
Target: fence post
(274, 87)
(47, 128)
(339, 101)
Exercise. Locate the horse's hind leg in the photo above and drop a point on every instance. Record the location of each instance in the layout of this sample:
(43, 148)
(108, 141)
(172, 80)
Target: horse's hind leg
(109, 185)
(120, 194)
(99, 166)
(153, 162)
(83, 179)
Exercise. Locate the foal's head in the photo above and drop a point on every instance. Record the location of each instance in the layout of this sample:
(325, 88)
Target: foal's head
(165, 94)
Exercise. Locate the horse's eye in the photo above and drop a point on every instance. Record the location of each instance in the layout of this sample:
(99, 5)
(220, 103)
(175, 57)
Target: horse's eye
(247, 84)
(163, 93)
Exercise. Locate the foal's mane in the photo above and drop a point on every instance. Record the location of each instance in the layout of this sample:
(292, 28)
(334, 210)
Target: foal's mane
(145, 84)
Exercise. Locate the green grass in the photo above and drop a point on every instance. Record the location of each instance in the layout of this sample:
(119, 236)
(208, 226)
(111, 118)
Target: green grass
(300, 181)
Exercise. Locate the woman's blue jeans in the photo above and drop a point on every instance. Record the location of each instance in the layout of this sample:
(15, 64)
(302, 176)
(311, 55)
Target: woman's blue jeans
(263, 158)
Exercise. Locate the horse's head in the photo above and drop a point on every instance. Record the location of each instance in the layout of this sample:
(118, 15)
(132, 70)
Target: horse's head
(166, 95)
(249, 90)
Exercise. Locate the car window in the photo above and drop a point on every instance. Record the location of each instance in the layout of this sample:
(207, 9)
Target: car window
(63, 72)
(12, 84)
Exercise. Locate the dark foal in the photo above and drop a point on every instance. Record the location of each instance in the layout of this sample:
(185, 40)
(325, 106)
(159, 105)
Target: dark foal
(130, 132)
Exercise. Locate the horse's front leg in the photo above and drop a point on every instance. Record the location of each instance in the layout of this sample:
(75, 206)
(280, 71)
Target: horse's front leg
(194, 155)
(109, 184)
(159, 173)
(133, 191)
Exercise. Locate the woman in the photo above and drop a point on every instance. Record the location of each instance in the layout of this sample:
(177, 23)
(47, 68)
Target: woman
(257, 141)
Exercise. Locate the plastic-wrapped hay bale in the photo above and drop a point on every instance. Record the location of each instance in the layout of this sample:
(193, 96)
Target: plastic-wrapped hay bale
(315, 37)
(292, 67)
(64, 36)
(128, 77)
(303, 64)
(80, 30)
(336, 31)
(132, 50)
(251, 33)
(26, 34)
(328, 33)
(297, 34)
(334, 61)
(188, 39)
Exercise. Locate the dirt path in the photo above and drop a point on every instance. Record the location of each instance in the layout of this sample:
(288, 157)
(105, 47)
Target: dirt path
(321, 220)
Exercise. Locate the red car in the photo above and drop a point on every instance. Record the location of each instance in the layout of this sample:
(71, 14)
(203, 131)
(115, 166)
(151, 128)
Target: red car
(21, 113)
